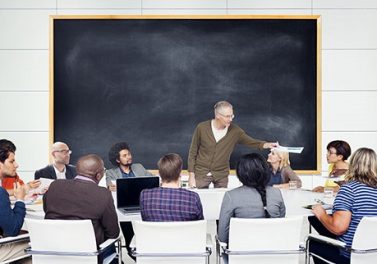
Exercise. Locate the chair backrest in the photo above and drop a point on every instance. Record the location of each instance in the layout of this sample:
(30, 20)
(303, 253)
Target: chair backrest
(62, 236)
(365, 238)
(170, 237)
(265, 234)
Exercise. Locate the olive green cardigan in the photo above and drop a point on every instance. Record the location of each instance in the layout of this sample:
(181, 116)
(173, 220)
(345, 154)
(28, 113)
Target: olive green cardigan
(206, 155)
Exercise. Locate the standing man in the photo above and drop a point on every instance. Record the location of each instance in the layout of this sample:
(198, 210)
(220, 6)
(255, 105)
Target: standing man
(213, 143)
(82, 198)
(120, 156)
(11, 220)
(60, 168)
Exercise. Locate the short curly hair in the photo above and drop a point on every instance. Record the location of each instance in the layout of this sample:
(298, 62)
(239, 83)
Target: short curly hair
(6, 147)
(114, 152)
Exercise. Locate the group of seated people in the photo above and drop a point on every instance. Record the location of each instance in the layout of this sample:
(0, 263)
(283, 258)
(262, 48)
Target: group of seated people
(258, 197)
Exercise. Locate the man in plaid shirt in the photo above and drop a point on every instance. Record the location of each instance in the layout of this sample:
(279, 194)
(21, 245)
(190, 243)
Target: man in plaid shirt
(170, 202)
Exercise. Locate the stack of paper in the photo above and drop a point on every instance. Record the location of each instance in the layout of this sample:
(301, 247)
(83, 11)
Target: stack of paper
(290, 149)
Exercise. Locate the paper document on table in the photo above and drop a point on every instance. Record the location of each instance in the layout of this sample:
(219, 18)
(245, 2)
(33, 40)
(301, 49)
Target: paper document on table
(290, 149)
(45, 183)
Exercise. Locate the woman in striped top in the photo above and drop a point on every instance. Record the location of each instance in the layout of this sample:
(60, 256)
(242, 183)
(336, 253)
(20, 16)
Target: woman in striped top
(355, 199)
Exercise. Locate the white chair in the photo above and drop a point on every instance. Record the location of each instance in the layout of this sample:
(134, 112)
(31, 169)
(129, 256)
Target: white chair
(66, 241)
(171, 242)
(263, 240)
(364, 244)
(19, 238)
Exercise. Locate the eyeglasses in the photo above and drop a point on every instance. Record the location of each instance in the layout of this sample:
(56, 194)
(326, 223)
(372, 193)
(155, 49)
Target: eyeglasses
(64, 151)
(227, 116)
(330, 153)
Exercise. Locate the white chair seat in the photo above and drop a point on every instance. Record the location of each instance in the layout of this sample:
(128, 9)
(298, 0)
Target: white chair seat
(262, 240)
(171, 242)
(364, 244)
(66, 241)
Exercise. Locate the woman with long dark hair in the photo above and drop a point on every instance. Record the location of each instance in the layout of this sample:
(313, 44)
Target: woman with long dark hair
(254, 199)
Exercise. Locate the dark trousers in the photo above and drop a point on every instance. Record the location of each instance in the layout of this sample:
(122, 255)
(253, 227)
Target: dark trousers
(128, 233)
(203, 182)
(109, 251)
(324, 250)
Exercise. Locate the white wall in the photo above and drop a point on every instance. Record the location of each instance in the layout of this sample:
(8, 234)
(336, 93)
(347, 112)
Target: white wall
(349, 60)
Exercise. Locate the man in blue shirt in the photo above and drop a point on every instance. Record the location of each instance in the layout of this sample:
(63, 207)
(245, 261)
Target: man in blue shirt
(11, 220)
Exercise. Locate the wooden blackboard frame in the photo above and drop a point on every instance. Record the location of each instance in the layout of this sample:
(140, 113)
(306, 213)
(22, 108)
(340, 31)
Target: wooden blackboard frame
(272, 17)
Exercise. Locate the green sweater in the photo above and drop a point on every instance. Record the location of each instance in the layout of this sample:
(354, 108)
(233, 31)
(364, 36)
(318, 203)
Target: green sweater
(206, 155)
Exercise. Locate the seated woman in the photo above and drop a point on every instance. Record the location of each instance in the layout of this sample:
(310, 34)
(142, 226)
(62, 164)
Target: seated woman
(254, 199)
(170, 202)
(280, 170)
(356, 198)
(338, 152)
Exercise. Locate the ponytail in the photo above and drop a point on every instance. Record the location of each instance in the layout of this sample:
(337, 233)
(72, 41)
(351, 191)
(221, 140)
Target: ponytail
(262, 192)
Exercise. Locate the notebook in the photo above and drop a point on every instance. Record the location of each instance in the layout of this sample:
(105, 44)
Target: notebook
(129, 189)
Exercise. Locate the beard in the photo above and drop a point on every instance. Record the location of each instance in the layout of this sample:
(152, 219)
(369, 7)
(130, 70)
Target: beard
(127, 164)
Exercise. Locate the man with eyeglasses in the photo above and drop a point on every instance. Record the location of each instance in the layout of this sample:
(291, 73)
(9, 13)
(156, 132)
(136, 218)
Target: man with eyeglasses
(213, 143)
(60, 168)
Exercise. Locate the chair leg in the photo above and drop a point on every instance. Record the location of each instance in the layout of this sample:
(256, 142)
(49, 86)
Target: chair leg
(307, 253)
(119, 252)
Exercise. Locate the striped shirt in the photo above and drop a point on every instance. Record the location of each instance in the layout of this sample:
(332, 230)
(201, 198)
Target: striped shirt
(360, 200)
(170, 204)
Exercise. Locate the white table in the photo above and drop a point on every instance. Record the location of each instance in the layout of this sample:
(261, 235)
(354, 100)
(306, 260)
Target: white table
(211, 200)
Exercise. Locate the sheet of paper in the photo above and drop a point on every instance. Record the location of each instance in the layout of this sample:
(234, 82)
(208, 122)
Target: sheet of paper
(45, 183)
(290, 149)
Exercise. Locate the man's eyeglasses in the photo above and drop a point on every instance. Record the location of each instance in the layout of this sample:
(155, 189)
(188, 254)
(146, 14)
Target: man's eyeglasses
(64, 151)
(227, 116)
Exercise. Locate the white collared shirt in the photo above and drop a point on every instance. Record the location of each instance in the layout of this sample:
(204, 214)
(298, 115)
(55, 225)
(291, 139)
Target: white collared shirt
(218, 133)
(60, 175)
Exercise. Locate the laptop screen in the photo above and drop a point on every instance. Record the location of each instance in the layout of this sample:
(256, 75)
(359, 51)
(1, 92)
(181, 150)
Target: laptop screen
(129, 189)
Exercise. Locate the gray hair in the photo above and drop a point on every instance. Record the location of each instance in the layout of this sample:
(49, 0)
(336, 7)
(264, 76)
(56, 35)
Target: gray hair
(220, 105)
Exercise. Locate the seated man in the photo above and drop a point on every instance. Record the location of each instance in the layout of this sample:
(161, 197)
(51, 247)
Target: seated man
(60, 168)
(170, 202)
(82, 198)
(11, 220)
(8, 184)
(120, 156)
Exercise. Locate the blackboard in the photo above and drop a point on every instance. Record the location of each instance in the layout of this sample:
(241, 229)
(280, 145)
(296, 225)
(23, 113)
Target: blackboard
(149, 81)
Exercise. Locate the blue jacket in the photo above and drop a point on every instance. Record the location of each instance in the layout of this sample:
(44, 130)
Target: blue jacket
(11, 220)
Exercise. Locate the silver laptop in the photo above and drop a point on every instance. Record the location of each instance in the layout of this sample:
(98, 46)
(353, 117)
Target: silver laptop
(129, 189)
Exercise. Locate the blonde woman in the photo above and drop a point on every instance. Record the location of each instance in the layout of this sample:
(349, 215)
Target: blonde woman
(280, 170)
(356, 198)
